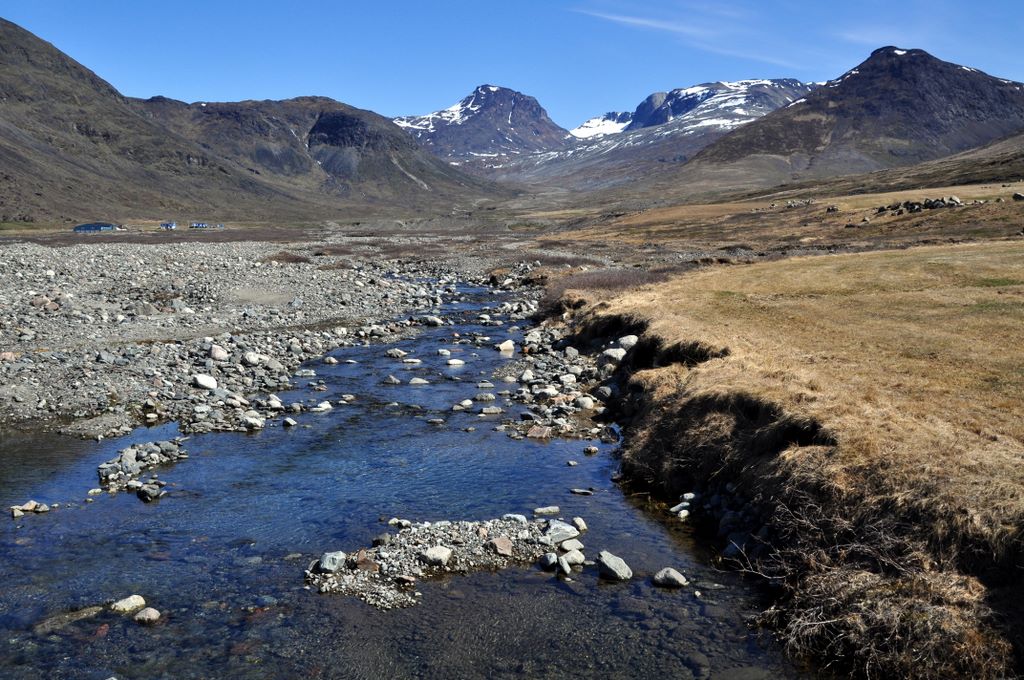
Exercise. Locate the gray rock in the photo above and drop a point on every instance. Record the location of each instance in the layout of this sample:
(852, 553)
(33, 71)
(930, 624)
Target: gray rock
(128, 604)
(571, 544)
(331, 562)
(613, 354)
(547, 510)
(548, 561)
(436, 556)
(147, 616)
(613, 567)
(206, 382)
(559, 531)
(627, 342)
(670, 578)
(574, 557)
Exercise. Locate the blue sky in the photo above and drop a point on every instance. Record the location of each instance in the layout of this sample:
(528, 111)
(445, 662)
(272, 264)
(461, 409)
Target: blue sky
(579, 58)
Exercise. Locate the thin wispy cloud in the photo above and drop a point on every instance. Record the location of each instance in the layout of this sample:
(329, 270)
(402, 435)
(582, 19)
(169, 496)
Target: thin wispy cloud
(711, 29)
(657, 24)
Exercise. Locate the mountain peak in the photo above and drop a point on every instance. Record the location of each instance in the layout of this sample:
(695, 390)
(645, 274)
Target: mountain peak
(490, 121)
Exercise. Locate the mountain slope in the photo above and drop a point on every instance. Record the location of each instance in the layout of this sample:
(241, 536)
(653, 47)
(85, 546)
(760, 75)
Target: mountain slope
(314, 144)
(899, 107)
(73, 148)
(491, 121)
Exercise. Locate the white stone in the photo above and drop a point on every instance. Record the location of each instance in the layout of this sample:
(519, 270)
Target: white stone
(128, 604)
(207, 382)
(670, 578)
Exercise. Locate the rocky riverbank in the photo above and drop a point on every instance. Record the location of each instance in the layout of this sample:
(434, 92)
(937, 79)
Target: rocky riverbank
(107, 336)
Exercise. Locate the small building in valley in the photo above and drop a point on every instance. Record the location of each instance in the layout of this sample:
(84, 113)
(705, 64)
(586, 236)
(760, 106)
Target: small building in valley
(90, 227)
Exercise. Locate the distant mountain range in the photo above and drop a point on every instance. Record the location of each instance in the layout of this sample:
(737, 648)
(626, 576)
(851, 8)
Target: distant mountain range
(73, 148)
(667, 127)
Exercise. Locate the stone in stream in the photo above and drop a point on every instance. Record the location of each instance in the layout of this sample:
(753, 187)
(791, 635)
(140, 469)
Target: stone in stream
(571, 544)
(670, 578)
(547, 510)
(559, 531)
(331, 562)
(539, 432)
(456, 362)
(581, 492)
(149, 493)
(289, 422)
(574, 557)
(515, 518)
(396, 353)
(506, 347)
(392, 380)
(252, 422)
(613, 567)
(436, 556)
(564, 567)
(419, 381)
(433, 321)
(128, 604)
(579, 523)
(548, 561)
(147, 616)
(206, 382)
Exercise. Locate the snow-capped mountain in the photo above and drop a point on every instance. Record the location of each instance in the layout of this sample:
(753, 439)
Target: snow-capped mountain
(608, 124)
(491, 122)
(666, 128)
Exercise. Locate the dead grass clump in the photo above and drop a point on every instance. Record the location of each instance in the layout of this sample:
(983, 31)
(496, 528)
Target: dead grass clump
(601, 282)
(287, 257)
(883, 626)
(560, 260)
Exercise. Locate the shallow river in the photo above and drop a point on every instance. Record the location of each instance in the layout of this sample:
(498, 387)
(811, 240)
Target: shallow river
(211, 555)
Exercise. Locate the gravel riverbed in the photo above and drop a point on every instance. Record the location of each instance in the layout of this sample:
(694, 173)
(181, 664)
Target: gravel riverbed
(97, 338)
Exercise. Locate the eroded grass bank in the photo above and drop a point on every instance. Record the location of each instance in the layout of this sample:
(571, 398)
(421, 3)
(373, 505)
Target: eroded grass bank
(853, 424)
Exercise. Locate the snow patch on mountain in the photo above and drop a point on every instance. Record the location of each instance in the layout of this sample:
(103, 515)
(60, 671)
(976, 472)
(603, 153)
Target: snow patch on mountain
(608, 124)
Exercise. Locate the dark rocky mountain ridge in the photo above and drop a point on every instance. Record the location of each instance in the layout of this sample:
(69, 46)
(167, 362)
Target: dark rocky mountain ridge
(73, 148)
(899, 107)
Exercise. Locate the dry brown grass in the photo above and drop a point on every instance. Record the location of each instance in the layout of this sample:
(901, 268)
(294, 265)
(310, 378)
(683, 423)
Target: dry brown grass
(871, 403)
(753, 222)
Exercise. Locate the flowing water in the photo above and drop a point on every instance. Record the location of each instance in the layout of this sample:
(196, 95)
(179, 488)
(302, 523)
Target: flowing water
(222, 555)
